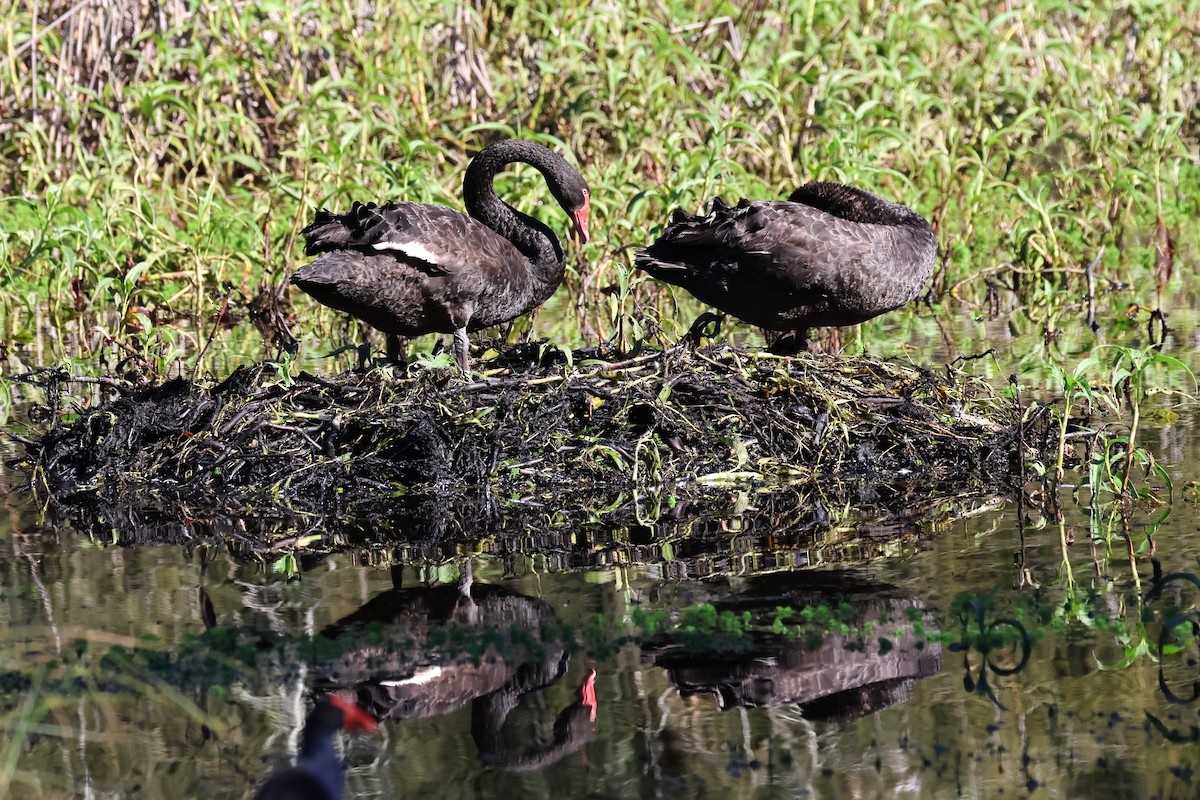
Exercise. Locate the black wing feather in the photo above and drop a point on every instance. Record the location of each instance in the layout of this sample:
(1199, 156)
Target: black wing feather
(837, 255)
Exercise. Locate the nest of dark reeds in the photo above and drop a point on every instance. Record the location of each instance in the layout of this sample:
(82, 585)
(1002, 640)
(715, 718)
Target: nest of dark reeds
(542, 438)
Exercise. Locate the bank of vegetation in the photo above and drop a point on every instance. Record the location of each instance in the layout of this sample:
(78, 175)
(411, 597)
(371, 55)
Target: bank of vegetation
(158, 159)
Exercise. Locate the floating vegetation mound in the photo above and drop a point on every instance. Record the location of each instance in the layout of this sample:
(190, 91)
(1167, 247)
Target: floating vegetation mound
(544, 438)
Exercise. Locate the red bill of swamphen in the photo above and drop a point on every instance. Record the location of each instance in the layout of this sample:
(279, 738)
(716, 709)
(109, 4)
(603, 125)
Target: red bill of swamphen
(317, 774)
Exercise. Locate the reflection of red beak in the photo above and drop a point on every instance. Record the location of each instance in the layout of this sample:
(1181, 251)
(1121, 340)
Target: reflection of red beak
(354, 718)
(587, 693)
(580, 218)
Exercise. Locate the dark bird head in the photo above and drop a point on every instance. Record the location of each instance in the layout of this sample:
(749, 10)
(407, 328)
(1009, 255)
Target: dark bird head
(573, 195)
(318, 770)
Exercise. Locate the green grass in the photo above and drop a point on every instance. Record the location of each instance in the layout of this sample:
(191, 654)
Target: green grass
(145, 192)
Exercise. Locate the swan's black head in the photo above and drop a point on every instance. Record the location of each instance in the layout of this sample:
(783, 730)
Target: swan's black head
(565, 182)
(572, 193)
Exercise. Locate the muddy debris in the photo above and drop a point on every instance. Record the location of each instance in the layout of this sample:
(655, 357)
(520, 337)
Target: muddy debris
(542, 441)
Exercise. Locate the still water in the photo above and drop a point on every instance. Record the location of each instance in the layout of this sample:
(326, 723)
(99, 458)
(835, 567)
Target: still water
(184, 670)
(928, 720)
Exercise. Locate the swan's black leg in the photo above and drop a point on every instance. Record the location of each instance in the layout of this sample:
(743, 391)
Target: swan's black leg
(790, 343)
(461, 346)
(397, 352)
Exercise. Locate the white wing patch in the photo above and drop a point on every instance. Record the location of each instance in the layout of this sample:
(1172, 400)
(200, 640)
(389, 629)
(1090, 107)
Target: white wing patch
(421, 677)
(411, 249)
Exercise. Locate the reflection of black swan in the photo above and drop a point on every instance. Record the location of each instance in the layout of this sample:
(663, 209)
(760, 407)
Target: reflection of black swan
(837, 677)
(401, 670)
(574, 727)
(829, 255)
(405, 669)
(317, 774)
(409, 268)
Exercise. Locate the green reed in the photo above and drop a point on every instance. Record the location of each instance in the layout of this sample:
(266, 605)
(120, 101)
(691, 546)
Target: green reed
(172, 175)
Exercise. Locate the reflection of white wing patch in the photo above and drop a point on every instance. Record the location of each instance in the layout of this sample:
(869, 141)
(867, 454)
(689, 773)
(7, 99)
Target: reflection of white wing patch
(411, 249)
(420, 677)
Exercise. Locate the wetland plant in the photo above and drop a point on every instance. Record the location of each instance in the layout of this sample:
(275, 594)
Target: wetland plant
(173, 170)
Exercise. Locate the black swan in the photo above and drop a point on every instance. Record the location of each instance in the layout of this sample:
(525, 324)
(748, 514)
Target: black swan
(317, 774)
(409, 268)
(831, 255)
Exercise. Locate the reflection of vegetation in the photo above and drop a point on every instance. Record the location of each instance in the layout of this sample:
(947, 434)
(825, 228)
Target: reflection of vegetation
(1173, 735)
(700, 628)
(999, 635)
(33, 694)
(1178, 623)
(1119, 475)
(705, 628)
(1122, 478)
(219, 657)
(996, 635)
(995, 640)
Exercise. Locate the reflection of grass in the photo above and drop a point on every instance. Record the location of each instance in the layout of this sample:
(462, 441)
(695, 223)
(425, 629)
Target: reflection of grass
(1163, 624)
(997, 632)
(35, 696)
(221, 657)
(19, 721)
(706, 629)
(700, 628)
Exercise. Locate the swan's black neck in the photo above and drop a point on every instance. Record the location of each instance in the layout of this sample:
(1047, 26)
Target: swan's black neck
(531, 237)
(855, 205)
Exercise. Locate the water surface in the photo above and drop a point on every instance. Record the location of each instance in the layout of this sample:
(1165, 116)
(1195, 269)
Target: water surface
(1062, 726)
(115, 687)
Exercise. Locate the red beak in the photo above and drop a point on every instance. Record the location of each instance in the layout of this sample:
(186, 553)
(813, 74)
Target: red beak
(354, 718)
(587, 693)
(580, 218)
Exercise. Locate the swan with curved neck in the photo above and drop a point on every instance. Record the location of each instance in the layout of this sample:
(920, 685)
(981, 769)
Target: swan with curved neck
(830, 255)
(409, 269)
